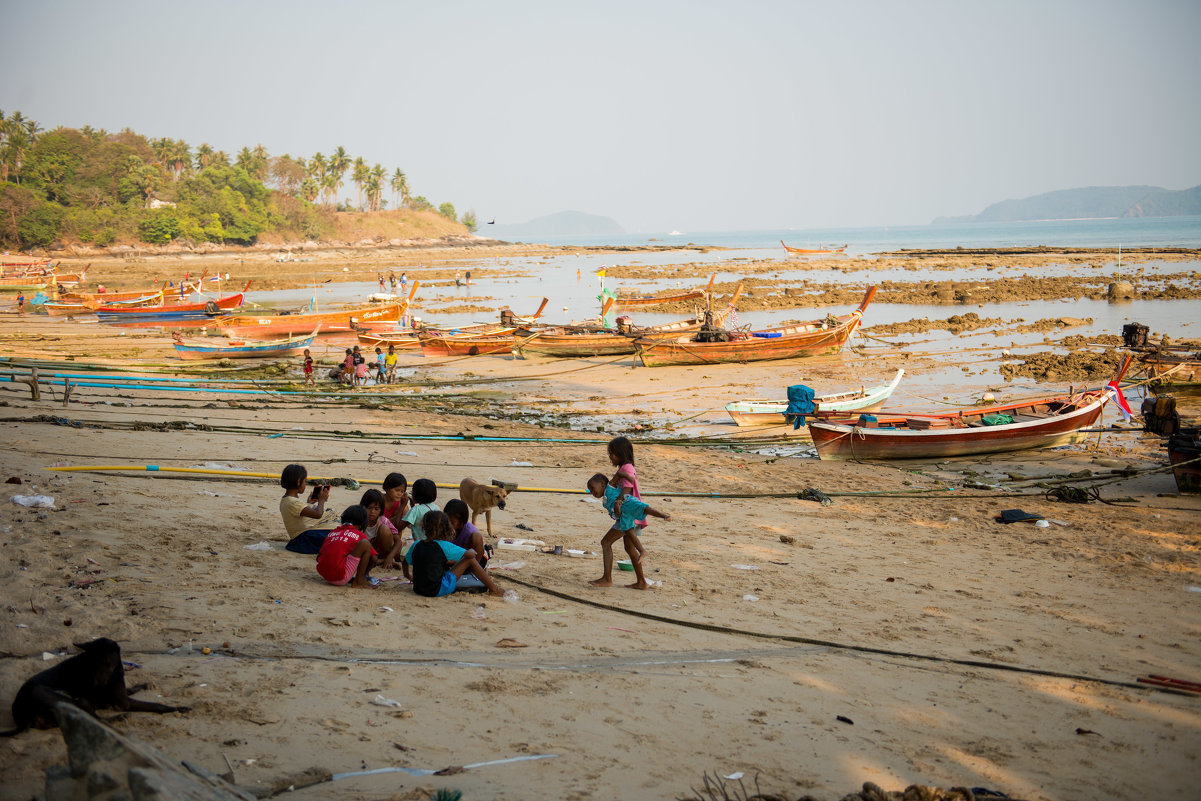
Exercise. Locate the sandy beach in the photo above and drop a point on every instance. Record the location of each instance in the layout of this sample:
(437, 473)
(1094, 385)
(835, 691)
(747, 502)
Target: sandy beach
(899, 635)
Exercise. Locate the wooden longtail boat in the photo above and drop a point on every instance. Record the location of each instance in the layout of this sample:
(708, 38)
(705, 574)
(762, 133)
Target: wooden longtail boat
(1172, 373)
(244, 349)
(37, 267)
(1038, 423)
(26, 283)
(171, 311)
(717, 346)
(813, 252)
(57, 307)
(341, 321)
(656, 300)
(568, 342)
(71, 279)
(441, 346)
(401, 340)
(771, 412)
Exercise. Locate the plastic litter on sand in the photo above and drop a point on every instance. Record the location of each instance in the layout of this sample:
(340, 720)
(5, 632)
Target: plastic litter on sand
(34, 501)
(380, 700)
(749, 597)
(511, 596)
(745, 567)
(258, 546)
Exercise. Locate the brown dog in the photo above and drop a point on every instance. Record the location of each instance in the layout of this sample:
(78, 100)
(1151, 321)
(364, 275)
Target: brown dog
(92, 680)
(481, 498)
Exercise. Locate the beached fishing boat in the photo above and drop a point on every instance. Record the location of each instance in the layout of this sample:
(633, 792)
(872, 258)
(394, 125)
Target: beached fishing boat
(713, 345)
(26, 283)
(657, 300)
(443, 346)
(171, 311)
(812, 251)
(70, 306)
(401, 340)
(332, 322)
(245, 349)
(1172, 372)
(1021, 425)
(771, 412)
(584, 341)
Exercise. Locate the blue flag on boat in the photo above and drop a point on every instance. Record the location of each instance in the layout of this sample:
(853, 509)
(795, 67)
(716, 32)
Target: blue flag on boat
(800, 403)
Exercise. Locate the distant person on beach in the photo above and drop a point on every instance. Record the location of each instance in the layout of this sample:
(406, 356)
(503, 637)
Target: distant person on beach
(626, 511)
(359, 365)
(381, 283)
(467, 276)
(404, 280)
(380, 367)
(390, 363)
(348, 367)
(392, 282)
(396, 498)
(307, 524)
(458, 281)
(21, 303)
(309, 380)
(346, 555)
(383, 534)
(438, 563)
(466, 535)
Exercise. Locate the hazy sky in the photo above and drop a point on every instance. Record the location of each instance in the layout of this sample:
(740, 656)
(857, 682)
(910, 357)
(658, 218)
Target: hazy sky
(688, 115)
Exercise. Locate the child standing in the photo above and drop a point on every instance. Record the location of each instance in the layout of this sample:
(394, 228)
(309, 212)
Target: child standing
(625, 510)
(380, 367)
(438, 563)
(309, 380)
(347, 555)
(379, 528)
(348, 367)
(390, 363)
(306, 524)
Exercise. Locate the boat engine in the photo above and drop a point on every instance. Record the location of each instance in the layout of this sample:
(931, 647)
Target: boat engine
(711, 333)
(1160, 415)
(1134, 335)
(507, 318)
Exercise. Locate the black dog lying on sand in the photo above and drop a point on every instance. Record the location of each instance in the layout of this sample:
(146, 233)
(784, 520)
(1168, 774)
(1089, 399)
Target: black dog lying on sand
(92, 680)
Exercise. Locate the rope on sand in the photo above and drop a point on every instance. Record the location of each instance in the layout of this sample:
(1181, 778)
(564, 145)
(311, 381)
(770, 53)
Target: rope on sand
(840, 646)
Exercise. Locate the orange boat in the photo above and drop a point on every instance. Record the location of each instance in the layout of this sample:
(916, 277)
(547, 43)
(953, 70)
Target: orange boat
(335, 322)
(809, 252)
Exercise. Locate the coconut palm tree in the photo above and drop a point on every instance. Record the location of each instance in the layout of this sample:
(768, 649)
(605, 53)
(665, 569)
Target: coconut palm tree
(204, 155)
(179, 157)
(359, 174)
(317, 170)
(376, 182)
(338, 162)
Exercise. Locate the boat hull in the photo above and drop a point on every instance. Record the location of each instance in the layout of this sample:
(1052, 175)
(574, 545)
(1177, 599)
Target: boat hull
(262, 350)
(767, 412)
(846, 441)
(441, 347)
(245, 325)
(177, 311)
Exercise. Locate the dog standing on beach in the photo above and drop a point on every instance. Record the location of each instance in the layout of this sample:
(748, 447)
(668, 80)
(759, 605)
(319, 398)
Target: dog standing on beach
(92, 680)
(482, 498)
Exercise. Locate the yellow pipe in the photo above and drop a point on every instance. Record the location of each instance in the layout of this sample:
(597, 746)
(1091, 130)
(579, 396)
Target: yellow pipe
(153, 468)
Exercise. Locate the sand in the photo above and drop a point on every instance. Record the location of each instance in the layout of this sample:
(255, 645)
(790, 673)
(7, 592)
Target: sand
(629, 707)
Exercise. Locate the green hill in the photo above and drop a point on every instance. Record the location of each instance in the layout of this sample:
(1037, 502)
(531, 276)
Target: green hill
(1092, 202)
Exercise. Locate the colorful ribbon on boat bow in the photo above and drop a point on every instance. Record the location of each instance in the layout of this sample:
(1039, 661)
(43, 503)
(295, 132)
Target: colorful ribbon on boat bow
(1116, 391)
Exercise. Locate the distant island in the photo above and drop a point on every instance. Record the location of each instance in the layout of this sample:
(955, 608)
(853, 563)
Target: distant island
(563, 223)
(1091, 202)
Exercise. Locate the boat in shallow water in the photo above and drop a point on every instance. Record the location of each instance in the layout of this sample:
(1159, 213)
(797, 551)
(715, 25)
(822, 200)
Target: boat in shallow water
(1038, 423)
(771, 412)
(813, 251)
(644, 301)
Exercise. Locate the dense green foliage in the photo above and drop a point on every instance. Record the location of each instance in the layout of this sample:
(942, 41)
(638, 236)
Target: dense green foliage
(95, 187)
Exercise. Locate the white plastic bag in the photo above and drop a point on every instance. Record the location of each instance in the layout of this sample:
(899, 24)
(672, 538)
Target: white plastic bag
(34, 501)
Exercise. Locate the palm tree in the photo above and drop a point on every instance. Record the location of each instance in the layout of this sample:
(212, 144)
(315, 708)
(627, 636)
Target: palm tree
(398, 178)
(179, 157)
(376, 184)
(338, 162)
(359, 174)
(317, 170)
(261, 162)
(221, 159)
(204, 155)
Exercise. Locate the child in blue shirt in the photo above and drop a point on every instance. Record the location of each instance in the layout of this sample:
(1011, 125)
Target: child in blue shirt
(438, 563)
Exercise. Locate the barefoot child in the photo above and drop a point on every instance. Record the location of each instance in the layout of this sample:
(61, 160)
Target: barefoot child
(347, 555)
(308, 369)
(438, 563)
(621, 456)
(306, 524)
(390, 364)
(625, 510)
(384, 537)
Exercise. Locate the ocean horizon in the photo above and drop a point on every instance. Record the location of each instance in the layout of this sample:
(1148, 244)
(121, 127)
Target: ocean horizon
(1092, 233)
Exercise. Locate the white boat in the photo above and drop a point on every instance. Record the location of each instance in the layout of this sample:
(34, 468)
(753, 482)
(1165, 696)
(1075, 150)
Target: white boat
(771, 412)
(675, 233)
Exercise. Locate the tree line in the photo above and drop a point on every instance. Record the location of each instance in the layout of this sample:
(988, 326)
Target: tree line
(99, 188)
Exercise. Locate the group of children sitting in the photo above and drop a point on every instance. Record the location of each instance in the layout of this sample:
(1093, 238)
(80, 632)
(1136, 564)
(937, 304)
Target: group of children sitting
(444, 550)
(443, 545)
